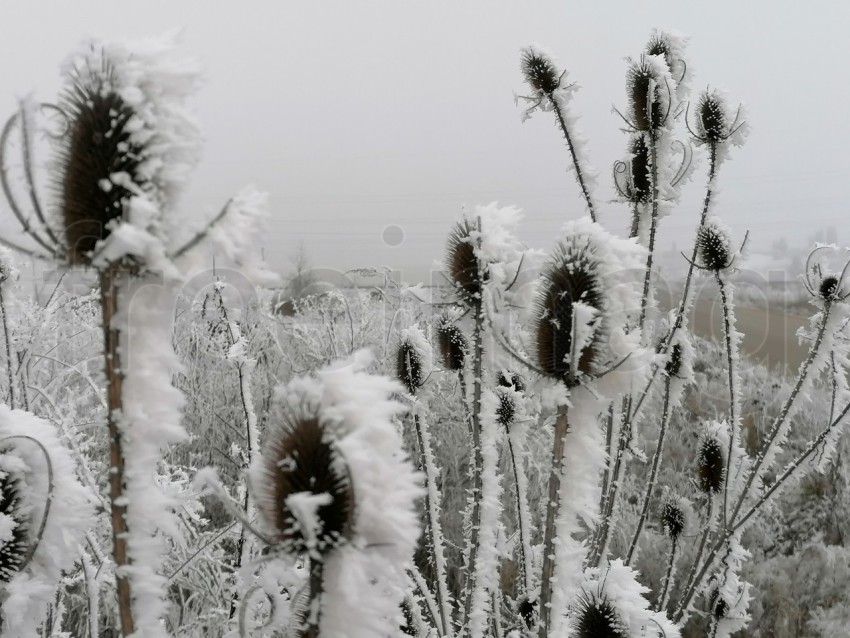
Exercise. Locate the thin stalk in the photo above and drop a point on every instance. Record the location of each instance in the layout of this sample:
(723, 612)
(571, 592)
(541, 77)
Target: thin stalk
(553, 506)
(523, 524)
(556, 107)
(475, 420)
(653, 227)
(731, 360)
(316, 589)
(786, 409)
(435, 536)
(109, 291)
(8, 351)
(603, 538)
(668, 576)
(653, 472)
(689, 583)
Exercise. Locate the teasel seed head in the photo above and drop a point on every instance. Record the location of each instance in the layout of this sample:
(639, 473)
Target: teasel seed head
(659, 45)
(97, 145)
(526, 609)
(717, 604)
(642, 88)
(301, 464)
(711, 123)
(711, 464)
(715, 250)
(539, 71)
(570, 277)
(596, 617)
(452, 344)
(465, 271)
(409, 366)
(674, 361)
(511, 380)
(13, 551)
(829, 288)
(673, 517)
(506, 409)
(641, 185)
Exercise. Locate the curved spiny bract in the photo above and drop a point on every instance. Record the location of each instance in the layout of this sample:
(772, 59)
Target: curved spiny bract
(452, 344)
(570, 277)
(97, 146)
(301, 462)
(13, 550)
(409, 366)
(465, 272)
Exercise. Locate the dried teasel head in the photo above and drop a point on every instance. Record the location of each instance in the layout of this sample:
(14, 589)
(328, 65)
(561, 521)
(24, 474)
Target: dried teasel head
(644, 94)
(511, 380)
(711, 464)
(641, 184)
(539, 71)
(715, 247)
(596, 617)
(304, 493)
(466, 272)
(673, 517)
(99, 144)
(505, 409)
(712, 126)
(717, 604)
(830, 288)
(674, 361)
(568, 279)
(452, 344)
(527, 609)
(409, 365)
(15, 543)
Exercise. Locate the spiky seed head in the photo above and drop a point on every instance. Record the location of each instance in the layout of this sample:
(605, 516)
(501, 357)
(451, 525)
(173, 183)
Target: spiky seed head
(98, 144)
(539, 71)
(714, 246)
(13, 550)
(717, 604)
(641, 185)
(642, 89)
(596, 617)
(506, 410)
(711, 122)
(828, 289)
(673, 517)
(674, 361)
(452, 343)
(409, 366)
(526, 610)
(465, 271)
(659, 45)
(300, 463)
(711, 464)
(570, 277)
(511, 380)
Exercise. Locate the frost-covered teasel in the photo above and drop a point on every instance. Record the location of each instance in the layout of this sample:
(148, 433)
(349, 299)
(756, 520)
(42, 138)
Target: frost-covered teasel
(711, 460)
(463, 264)
(14, 522)
(596, 617)
(452, 343)
(715, 246)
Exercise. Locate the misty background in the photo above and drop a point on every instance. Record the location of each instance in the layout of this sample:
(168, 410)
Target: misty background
(372, 124)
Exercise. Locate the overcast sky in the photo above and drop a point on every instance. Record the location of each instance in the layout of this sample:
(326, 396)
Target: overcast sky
(356, 116)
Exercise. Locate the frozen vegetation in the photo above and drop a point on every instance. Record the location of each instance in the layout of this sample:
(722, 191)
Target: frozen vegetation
(535, 450)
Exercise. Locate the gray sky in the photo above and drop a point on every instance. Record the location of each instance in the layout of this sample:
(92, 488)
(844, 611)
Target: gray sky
(359, 115)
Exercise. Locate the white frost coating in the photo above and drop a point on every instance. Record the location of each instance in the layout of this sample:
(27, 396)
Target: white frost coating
(486, 577)
(733, 589)
(584, 459)
(28, 594)
(619, 584)
(304, 507)
(366, 579)
(150, 422)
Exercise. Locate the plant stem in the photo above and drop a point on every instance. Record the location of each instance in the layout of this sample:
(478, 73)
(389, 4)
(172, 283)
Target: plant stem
(523, 523)
(668, 576)
(731, 363)
(110, 280)
(8, 351)
(553, 505)
(653, 473)
(653, 226)
(557, 108)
